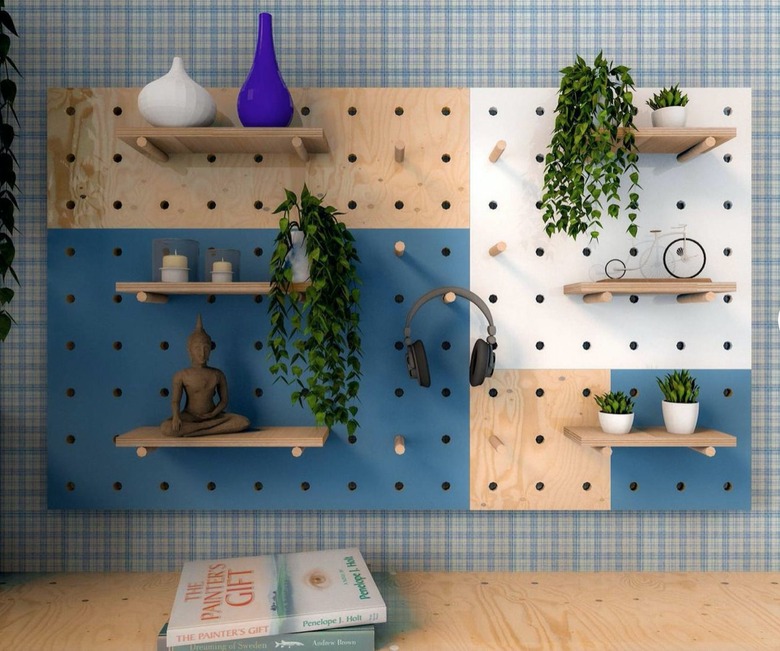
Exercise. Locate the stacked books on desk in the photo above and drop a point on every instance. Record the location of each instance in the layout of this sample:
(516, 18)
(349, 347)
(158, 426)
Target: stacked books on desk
(297, 601)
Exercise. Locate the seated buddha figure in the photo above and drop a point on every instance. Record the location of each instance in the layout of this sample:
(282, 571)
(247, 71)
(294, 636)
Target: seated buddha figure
(205, 391)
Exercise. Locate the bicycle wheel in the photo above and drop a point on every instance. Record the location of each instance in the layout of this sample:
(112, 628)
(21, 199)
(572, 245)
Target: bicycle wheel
(684, 258)
(615, 269)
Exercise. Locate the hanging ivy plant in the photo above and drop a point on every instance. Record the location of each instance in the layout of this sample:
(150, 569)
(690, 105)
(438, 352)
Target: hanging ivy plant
(587, 157)
(8, 164)
(314, 341)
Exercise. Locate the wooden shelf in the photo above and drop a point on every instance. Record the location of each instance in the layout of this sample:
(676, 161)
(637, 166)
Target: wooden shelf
(685, 142)
(147, 439)
(702, 440)
(159, 143)
(688, 290)
(149, 292)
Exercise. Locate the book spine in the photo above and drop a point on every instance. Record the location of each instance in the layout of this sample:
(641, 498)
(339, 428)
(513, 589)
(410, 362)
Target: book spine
(290, 624)
(355, 639)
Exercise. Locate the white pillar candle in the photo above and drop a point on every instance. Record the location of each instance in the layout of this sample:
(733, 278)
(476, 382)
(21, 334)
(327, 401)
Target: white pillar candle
(174, 261)
(222, 266)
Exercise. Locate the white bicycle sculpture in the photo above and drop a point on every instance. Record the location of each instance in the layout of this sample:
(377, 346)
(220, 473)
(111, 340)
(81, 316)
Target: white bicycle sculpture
(683, 257)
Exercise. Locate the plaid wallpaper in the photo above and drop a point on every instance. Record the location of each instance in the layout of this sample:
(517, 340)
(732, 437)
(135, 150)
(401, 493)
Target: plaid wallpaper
(467, 43)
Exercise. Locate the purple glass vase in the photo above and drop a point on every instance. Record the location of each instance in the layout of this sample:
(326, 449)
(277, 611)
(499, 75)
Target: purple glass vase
(264, 100)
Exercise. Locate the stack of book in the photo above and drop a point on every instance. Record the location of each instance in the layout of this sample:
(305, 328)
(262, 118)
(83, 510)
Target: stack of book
(298, 601)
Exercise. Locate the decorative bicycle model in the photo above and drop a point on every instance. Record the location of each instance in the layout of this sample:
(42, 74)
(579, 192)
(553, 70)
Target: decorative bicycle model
(683, 257)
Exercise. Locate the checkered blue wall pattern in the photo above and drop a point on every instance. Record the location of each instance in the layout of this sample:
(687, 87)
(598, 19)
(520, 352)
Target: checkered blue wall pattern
(328, 43)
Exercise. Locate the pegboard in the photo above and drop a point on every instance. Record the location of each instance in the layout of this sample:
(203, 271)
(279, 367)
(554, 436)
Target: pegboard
(443, 215)
(542, 328)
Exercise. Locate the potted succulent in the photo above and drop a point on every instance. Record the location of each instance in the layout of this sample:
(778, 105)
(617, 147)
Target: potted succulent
(668, 106)
(314, 339)
(616, 415)
(8, 163)
(680, 405)
(588, 156)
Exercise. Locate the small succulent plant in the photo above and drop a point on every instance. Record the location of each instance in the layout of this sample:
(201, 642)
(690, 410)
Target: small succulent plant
(679, 386)
(668, 97)
(614, 402)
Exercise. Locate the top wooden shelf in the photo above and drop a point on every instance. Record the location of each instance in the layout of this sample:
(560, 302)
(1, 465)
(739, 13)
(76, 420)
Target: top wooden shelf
(159, 143)
(685, 142)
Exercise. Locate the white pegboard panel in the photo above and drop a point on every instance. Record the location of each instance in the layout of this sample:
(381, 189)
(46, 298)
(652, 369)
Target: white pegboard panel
(537, 325)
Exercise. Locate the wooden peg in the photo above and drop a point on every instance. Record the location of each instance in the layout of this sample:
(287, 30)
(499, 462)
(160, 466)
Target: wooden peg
(707, 451)
(151, 297)
(600, 297)
(152, 151)
(698, 149)
(497, 443)
(606, 450)
(400, 149)
(698, 297)
(399, 248)
(497, 249)
(142, 451)
(297, 451)
(300, 149)
(399, 444)
(497, 151)
(449, 297)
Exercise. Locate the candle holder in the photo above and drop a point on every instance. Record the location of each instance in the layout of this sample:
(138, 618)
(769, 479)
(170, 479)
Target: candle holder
(222, 265)
(175, 269)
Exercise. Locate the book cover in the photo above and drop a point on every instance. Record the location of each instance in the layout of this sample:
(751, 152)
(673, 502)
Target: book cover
(353, 638)
(255, 596)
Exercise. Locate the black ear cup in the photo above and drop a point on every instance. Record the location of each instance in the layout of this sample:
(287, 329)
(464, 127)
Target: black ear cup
(483, 361)
(417, 363)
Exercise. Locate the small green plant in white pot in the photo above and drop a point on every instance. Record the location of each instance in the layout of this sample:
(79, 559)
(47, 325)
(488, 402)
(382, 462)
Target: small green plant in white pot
(680, 406)
(668, 106)
(616, 415)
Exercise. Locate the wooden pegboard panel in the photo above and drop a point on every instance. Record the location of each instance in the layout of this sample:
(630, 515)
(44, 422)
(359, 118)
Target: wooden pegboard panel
(520, 458)
(97, 181)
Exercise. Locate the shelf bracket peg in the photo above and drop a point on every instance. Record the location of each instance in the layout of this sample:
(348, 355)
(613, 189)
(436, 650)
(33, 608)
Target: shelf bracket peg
(400, 151)
(449, 297)
(606, 450)
(497, 444)
(141, 451)
(497, 249)
(399, 248)
(297, 451)
(698, 297)
(300, 149)
(699, 148)
(399, 444)
(707, 450)
(599, 297)
(151, 297)
(498, 149)
(151, 150)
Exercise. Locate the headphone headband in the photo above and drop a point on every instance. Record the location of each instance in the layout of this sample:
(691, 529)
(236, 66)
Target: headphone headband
(458, 291)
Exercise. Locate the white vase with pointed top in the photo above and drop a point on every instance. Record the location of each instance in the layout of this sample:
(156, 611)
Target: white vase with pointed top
(175, 100)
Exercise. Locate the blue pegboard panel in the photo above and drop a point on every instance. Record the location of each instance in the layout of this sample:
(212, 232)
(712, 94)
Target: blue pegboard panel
(680, 478)
(111, 359)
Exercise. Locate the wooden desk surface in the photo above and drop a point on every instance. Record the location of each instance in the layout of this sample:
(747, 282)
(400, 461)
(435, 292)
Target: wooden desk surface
(502, 611)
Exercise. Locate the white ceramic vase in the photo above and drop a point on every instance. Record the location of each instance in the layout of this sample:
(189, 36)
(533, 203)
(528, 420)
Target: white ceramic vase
(669, 116)
(616, 423)
(680, 417)
(297, 257)
(175, 100)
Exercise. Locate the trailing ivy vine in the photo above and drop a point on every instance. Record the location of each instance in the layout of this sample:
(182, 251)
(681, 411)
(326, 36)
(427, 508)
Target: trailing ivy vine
(8, 165)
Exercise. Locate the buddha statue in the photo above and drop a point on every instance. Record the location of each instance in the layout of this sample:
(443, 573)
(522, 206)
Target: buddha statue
(200, 384)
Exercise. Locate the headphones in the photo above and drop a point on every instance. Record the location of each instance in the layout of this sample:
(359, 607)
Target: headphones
(483, 359)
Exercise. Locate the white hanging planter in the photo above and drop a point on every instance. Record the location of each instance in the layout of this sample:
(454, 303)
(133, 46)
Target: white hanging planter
(680, 417)
(616, 423)
(669, 116)
(297, 257)
(175, 100)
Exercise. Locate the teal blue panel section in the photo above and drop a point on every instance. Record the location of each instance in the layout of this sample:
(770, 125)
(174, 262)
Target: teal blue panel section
(680, 478)
(111, 359)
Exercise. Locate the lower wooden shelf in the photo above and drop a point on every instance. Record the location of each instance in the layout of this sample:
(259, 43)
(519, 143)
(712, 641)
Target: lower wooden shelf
(158, 292)
(702, 440)
(147, 439)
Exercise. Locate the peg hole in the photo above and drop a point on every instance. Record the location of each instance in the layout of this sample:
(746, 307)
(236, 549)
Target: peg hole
(539, 486)
(539, 439)
(586, 345)
(493, 111)
(117, 298)
(586, 486)
(164, 205)
(70, 251)
(727, 158)
(399, 485)
(586, 252)
(446, 345)
(117, 110)
(70, 392)
(446, 393)
(70, 158)
(258, 251)
(117, 345)
(258, 486)
(727, 486)
(446, 110)
(399, 110)
(445, 485)
(446, 251)
(540, 110)
(70, 439)
(492, 485)
(446, 158)
(70, 486)
(727, 392)
(70, 345)
(539, 392)
(258, 205)
(258, 392)
(211, 158)
(211, 205)
(164, 486)
(728, 205)
(586, 392)
(634, 298)
(727, 251)
(352, 111)
(493, 298)
(352, 158)
(539, 345)
(352, 204)
(211, 486)
(164, 393)
(681, 205)
(70, 204)
(399, 205)
(539, 298)
(680, 345)
(305, 110)
(446, 205)
(117, 392)
(633, 486)
(399, 392)
(305, 486)
(633, 345)
(117, 485)
(117, 205)
(727, 110)
(352, 486)
(493, 205)
(445, 439)
(539, 252)
(680, 486)
(71, 110)
(493, 392)
(258, 158)
(726, 345)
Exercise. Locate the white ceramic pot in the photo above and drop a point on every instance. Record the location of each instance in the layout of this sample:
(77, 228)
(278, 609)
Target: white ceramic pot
(680, 417)
(669, 116)
(175, 100)
(297, 257)
(616, 423)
